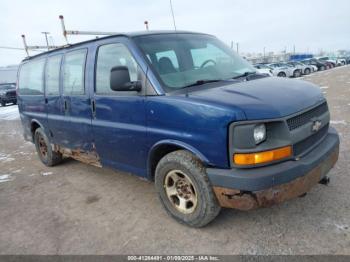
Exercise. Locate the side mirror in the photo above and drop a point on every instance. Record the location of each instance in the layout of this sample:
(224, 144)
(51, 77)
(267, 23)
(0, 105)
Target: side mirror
(120, 80)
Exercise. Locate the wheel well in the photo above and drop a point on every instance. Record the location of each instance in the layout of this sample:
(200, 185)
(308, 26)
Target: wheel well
(34, 127)
(158, 154)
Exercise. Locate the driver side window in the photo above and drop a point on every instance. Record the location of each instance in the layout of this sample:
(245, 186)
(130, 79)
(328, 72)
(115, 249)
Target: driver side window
(109, 56)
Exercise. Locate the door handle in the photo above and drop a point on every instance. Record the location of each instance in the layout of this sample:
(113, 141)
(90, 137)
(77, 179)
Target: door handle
(65, 104)
(93, 108)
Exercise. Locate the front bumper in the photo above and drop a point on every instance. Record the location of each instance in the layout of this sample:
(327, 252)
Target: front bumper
(264, 186)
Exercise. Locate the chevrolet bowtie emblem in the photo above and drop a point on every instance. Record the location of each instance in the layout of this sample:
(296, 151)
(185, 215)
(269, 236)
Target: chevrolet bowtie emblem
(316, 125)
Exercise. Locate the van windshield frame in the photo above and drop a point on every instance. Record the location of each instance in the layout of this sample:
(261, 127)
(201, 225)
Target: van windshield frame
(180, 60)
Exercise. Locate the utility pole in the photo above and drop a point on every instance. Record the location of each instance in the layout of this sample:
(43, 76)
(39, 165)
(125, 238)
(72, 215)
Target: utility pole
(294, 49)
(264, 52)
(237, 47)
(47, 41)
(172, 13)
(231, 44)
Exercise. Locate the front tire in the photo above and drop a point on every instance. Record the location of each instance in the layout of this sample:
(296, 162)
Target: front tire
(281, 74)
(47, 156)
(184, 189)
(307, 71)
(3, 103)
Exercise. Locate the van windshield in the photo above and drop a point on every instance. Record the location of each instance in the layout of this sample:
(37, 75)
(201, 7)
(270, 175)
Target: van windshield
(183, 59)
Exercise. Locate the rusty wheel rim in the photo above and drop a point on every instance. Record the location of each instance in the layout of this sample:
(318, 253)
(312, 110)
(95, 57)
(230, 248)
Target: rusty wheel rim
(180, 191)
(42, 146)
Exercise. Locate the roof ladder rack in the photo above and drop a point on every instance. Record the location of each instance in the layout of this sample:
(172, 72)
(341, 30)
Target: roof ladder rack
(35, 47)
(76, 32)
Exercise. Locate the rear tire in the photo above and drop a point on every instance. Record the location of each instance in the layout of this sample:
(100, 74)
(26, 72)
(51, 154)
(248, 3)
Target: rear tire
(281, 74)
(184, 189)
(43, 147)
(3, 103)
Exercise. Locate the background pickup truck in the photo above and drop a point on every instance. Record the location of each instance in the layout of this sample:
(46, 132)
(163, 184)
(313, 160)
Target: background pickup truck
(8, 94)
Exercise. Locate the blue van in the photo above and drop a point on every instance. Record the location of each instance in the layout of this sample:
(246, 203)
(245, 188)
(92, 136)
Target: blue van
(183, 110)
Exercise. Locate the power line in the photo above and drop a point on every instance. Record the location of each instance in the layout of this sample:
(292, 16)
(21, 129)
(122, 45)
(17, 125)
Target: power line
(17, 48)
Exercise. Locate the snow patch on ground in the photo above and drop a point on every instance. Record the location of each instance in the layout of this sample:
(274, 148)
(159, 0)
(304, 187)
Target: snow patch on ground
(46, 173)
(324, 87)
(338, 226)
(5, 158)
(338, 122)
(341, 227)
(9, 112)
(5, 178)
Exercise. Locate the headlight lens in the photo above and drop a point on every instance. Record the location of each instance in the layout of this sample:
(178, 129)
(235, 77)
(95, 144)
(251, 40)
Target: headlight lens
(259, 133)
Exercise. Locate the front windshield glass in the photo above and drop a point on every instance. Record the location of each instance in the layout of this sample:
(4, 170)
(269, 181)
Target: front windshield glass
(181, 60)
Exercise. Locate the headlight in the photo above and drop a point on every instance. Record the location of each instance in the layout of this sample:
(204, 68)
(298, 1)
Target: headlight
(259, 133)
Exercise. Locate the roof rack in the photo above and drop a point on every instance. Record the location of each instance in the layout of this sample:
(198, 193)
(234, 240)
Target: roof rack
(76, 32)
(35, 47)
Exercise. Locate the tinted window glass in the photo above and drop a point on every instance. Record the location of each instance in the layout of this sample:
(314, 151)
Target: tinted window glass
(53, 75)
(73, 73)
(110, 56)
(31, 78)
(170, 54)
(204, 56)
(182, 60)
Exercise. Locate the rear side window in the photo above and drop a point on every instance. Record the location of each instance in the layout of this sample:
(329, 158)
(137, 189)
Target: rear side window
(73, 72)
(109, 56)
(52, 76)
(31, 78)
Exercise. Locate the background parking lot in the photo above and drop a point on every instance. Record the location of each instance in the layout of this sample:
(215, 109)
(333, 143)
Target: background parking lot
(79, 209)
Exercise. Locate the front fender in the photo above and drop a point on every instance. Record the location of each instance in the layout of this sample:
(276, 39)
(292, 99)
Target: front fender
(177, 144)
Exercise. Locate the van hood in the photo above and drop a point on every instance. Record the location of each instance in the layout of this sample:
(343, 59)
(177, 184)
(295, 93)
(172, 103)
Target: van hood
(265, 98)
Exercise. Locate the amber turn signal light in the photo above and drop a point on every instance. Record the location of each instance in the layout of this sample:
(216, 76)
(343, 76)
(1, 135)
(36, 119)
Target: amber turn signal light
(262, 157)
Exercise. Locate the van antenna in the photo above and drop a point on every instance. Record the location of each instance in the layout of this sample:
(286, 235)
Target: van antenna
(76, 32)
(172, 13)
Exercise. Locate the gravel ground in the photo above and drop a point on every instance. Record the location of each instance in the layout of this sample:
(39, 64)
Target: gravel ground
(79, 209)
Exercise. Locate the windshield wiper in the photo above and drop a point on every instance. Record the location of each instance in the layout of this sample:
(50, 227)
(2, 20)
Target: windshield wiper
(202, 82)
(245, 74)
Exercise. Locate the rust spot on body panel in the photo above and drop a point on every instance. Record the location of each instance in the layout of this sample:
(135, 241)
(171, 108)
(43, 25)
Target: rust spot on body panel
(90, 158)
(243, 200)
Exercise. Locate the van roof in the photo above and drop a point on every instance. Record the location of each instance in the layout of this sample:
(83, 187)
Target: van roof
(129, 34)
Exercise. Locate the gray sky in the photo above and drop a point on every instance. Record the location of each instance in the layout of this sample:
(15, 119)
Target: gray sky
(310, 25)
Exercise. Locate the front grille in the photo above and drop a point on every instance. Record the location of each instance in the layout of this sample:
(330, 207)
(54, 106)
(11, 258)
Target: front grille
(300, 120)
(306, 144)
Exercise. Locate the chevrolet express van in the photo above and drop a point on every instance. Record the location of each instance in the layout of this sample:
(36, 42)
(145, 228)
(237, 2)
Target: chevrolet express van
(183, 110)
